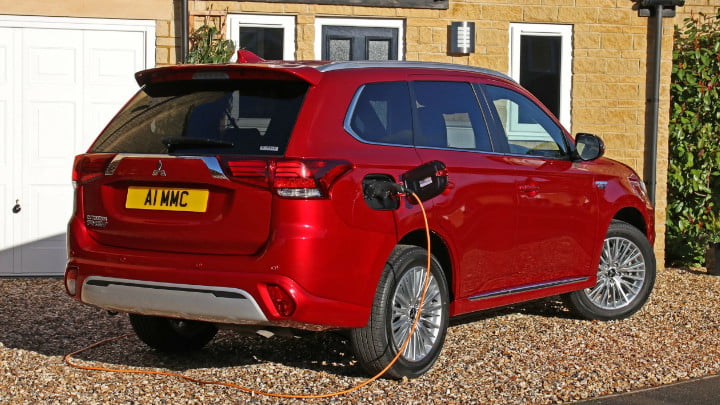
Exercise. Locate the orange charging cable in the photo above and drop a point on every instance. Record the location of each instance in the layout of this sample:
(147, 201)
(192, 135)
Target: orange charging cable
(68, 357)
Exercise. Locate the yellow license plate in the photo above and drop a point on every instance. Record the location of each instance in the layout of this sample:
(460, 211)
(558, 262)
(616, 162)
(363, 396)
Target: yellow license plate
(167, 199)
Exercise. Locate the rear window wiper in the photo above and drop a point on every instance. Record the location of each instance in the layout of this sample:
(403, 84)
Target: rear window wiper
(174, 142)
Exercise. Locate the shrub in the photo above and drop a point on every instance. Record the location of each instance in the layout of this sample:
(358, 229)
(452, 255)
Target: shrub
(694, 160)
(207, 46)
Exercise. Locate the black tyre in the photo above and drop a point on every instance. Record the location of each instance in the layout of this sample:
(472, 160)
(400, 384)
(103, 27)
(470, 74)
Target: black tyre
(172, 335)
(396, 302)
(626, 276)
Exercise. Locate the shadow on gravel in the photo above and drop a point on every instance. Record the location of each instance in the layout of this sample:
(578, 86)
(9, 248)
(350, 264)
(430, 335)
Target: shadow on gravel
(551, 307)
(38, 316)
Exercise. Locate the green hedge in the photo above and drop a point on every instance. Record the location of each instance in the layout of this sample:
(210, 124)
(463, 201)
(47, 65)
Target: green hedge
(694, 167)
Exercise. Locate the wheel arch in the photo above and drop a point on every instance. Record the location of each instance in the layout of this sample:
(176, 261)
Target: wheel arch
(634, 217)
(439, 249)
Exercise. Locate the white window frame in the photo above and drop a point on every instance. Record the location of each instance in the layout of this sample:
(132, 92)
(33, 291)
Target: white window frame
(287, 23)
(320, 22)
(565, 32)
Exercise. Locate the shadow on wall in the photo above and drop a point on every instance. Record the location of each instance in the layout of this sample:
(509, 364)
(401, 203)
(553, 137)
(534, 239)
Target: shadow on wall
(42, 257)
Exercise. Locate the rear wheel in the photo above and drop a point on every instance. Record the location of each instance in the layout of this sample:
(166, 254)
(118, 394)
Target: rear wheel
(172, 335)
(625, 276)
(397, 301)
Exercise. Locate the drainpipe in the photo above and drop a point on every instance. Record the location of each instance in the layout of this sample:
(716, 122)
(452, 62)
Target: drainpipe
(646, 10)
(655, 106)
(184, 40)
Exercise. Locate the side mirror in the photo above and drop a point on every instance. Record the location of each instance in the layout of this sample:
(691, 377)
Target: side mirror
(588, 147)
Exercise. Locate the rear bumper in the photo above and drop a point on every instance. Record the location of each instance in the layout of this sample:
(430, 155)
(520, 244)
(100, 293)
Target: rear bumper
(223, 297)
(205, 303)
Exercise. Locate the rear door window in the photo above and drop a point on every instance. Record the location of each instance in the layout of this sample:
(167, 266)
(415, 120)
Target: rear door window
(381, 114)
(449, 116)
(206, 117)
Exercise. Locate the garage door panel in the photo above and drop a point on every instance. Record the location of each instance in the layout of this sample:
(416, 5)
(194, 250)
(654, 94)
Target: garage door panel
(7, 90)
(61, 80)
(53, 56)
(3, 60)
(52, 132)
(47, 211)
(41, 257)
(111, 55)
(41, 250)
(52, 66)
(6, 251)
(4, 135)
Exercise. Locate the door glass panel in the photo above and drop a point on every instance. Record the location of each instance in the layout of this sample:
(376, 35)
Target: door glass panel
(339, 49)
(540, 68)
(345, 43)
(265, 42)
(449, 116)
(378, 49)
(529, 130)
(382, 114)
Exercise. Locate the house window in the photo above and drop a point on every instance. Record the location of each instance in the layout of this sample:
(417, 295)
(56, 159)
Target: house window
(541, 60)
(358, 39)
(270, 37)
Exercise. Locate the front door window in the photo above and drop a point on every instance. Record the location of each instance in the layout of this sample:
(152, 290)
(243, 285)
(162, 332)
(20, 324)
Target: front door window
(359, 43)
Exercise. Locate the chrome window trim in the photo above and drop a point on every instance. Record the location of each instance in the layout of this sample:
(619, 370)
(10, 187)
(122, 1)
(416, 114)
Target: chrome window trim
(211, 162)
(527, 288)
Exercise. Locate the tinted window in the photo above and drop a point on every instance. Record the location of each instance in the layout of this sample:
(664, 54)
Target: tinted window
(382, 114)
(449, 116)
(529, 130)
(219, 117)
(264, 42)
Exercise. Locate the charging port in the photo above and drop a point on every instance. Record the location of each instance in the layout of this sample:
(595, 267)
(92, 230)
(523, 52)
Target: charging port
(381, 192)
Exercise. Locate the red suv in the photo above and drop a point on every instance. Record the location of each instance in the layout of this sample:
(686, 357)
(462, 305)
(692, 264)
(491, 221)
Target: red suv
(266, 194)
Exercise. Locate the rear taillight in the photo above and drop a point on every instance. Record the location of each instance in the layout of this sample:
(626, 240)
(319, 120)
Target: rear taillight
(290, 178)
(88, 167)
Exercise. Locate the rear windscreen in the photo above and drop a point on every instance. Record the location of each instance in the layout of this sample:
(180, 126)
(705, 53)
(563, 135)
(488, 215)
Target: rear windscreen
(247, 117)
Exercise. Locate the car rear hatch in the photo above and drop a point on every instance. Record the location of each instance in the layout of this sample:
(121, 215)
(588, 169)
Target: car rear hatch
(184, 166)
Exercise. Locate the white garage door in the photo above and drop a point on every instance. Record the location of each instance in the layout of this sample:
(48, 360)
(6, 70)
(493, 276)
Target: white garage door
(61, 80)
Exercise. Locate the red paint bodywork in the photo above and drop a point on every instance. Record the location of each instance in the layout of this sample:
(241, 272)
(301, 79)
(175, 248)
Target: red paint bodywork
(505, 221)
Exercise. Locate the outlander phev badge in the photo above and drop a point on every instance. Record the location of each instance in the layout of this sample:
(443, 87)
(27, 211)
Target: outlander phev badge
(159, 171)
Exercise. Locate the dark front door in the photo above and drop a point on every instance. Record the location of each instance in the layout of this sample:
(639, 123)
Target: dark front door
(359, 43)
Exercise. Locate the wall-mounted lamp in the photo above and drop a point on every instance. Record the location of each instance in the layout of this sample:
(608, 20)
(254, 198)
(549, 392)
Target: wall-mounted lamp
(462, 37)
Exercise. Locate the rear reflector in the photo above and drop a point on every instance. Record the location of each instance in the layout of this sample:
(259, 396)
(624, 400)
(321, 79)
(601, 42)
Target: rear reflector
(282, 301)
(290, 178)
(71, 280)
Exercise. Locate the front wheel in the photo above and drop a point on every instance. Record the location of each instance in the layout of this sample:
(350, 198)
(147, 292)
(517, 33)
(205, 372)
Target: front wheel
(396, 303)
(172, 335)
(625, 276)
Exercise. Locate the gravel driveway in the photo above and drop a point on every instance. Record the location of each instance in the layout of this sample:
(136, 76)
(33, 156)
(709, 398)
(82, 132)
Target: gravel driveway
(535, 353)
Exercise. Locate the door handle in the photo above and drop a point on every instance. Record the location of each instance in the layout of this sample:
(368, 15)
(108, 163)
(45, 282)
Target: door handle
(17, 208)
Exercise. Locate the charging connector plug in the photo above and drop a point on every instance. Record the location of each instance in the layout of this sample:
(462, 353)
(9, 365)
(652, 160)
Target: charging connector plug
(381, 192)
